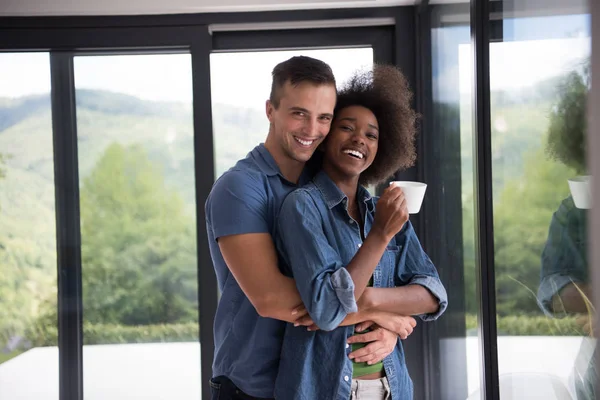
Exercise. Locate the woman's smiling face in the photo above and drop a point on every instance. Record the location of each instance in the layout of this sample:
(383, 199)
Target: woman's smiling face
(351, 145)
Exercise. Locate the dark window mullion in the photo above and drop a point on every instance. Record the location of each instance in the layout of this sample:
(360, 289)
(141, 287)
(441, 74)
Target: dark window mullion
(427, 383)
(405, 53)
(480, 39)
(68, 235)
(205, 173)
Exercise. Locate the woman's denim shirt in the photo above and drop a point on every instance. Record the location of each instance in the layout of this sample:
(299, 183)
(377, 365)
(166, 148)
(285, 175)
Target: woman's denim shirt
(316, 239)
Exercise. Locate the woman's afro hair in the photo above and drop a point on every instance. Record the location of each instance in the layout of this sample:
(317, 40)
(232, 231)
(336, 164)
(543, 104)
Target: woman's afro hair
(384, 90)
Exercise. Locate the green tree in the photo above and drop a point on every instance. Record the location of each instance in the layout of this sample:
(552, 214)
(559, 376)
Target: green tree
(566, 133)
(138, 247)
(8, 325)
(2, 162)
(3, 158)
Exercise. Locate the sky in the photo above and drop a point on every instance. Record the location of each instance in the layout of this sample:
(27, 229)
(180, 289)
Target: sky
(520, 64)
(242, 79)
(531, 50)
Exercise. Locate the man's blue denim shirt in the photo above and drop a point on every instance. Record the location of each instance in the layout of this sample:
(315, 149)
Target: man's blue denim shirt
(317, 238)
(245, 199)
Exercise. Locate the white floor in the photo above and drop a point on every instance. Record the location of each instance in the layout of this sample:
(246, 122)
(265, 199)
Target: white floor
(155, 371)
(531, 367)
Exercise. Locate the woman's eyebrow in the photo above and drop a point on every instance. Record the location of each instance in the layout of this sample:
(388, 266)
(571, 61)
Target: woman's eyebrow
(352, 119)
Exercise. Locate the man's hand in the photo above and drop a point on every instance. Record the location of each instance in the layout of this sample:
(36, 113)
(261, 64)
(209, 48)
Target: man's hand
(402, 325)
(303, 318)
(381, 344)
(363, 326)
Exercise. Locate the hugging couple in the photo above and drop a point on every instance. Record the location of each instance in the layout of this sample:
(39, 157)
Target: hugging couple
(319, 279)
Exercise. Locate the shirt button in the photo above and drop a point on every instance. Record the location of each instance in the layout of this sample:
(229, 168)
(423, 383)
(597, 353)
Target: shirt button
(346, 378)
(351, 221)
(360, 244)
(347, 345)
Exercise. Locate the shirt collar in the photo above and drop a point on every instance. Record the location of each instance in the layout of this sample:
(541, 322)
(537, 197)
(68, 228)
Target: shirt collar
(366, 198)
(269, 167)
(265, 160)
(334, 196)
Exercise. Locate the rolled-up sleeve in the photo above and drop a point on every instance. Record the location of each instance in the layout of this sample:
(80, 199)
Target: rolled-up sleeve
(416, 268)
(550, 286)
(326, 287)
(435, 286)
(342, 283)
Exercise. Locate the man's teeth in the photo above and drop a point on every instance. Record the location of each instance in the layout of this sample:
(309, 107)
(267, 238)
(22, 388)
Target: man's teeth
(354, 153)
(304, 142)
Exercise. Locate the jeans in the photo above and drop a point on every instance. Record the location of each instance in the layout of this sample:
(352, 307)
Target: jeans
(370, 389)
(222, 388)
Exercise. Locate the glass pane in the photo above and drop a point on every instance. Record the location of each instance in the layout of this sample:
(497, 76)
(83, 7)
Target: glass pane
(239, 120)
(28, 289)
(136, 166)
(450, 121)
(539, 80)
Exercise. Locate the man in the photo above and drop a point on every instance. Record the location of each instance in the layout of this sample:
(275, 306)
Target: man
(241, 211)
(240, 215)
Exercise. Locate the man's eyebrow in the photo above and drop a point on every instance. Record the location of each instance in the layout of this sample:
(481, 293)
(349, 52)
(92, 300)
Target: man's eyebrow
(354, 120)
(304, 110)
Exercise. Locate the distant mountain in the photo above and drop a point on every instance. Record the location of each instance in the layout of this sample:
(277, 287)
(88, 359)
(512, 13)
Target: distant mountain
(123, 104)
(13, 111)
(529, 95)
(164, 128)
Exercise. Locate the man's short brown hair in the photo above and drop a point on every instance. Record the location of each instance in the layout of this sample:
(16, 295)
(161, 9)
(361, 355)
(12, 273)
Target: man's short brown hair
(297, 70)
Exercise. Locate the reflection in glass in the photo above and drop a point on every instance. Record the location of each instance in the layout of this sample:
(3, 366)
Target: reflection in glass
(28, 325)
(539, 80)
(239, 120)
(139, 265)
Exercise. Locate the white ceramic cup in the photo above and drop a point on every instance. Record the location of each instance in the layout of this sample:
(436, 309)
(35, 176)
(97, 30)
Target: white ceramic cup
(414, 192)
(581, 191)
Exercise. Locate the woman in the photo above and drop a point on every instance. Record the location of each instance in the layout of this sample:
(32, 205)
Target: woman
(334, 244)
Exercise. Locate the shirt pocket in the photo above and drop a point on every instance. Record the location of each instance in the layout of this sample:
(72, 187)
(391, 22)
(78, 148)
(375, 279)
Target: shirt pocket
(388, 264)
